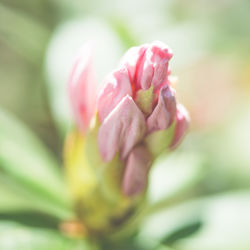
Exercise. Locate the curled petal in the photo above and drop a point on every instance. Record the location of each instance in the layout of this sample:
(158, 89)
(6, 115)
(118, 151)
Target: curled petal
(154, 69)
(148, 65)
(121, 130)
(136, 171)
(132, 59)
(182, 123)
(116, 86)
(164, 112)
(82, 88)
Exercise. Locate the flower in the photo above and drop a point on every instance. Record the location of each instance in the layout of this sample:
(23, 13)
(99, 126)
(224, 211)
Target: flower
(135, 100)
(130, 120)
(82, 88)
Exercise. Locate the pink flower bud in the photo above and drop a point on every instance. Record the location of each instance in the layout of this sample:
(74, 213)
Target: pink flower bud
(136, 171)
(164, 112)
(82, 88)
(136, 107)
(122, 129)
(182, 123)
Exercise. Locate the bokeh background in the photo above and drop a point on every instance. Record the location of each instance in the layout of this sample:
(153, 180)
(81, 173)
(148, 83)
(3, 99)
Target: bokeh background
(205, 184)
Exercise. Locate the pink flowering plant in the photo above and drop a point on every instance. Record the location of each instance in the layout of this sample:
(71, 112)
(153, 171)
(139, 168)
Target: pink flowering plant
(121, 128)
(99, 199)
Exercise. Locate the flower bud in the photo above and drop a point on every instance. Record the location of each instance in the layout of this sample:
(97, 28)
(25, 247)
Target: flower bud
(136, 119)
(82, 88)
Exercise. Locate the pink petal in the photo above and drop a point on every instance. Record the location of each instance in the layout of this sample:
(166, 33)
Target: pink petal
(182, 123)
(136, 172)
(121, 130)
(132, 58)
(82, 88)
(160, 57)
(116, 86)
(164, 112)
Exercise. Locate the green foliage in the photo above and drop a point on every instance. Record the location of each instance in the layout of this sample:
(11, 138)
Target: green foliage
(187, 208)
(183, 232)
(14, 236)
(28, 171)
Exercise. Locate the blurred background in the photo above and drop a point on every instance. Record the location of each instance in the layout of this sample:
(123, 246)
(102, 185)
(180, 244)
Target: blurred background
(207, 180)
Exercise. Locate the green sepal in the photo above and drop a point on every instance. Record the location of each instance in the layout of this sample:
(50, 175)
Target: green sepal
(92, 150)
(159, 141)
(144, 100)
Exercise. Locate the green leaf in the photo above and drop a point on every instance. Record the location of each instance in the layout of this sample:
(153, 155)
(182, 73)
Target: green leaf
(182, 232)
(11, 200)
(16, 237)
(31, 219)
(226, 224)
(215, 222)
(28, 171)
